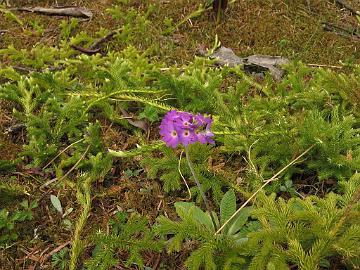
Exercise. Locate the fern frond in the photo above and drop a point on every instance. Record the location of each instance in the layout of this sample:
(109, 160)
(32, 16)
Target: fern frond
(203, 256)
(138, 151)
(145, 101)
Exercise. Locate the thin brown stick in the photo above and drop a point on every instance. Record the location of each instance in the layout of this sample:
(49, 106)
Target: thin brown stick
(95, 47)
(341, 31)
(157, 262)
(97, 44)
(323, 65)
(69, 11)
(346, 5)
(265, 184)
(57, 249)
(84, 50)
(62, 151)
(24, 69)
(69, 171)
(136, 123)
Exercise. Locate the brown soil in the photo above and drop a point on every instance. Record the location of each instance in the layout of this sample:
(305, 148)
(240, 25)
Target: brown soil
(287, 28)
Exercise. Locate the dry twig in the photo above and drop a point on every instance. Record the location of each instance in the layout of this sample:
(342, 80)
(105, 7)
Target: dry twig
(346, 5)
(341, 31)
(95, 47)
(66, 11)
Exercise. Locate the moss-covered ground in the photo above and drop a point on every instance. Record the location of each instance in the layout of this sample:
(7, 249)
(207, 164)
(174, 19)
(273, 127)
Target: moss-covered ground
(290, 28)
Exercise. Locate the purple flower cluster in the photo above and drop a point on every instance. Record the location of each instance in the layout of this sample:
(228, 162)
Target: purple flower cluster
(186, 128)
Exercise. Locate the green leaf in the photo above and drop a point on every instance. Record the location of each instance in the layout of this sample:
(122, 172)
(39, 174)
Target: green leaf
(270, 266)
(202, 217)
(25, 204)
(150, 113)
(216, 219)
(33, 204)
(7, 166)
(182, 209)
(240, 220)
(288, 183)
(187, 210)
(11, 16)
(67, 224)
(324, 263)
(56, 203)
(227, 206)
(68, 211)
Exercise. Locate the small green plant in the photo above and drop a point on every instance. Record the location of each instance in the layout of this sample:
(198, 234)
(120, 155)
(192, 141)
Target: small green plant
(11, 16)
(7, 166)
(283, 43)
(131, 173)
(170, 170)
(150, 113)
(305, 233)
(134, 24)
(60, 259)
(69, 103)
(9, 221)
(214, 251)
(56, 203)
(37, 27)
(129, 233)
(169, 25)
(287, 187)
(67, 27)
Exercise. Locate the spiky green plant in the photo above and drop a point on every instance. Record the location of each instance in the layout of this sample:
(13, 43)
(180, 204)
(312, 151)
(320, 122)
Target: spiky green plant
(306, 233)
(128, 233)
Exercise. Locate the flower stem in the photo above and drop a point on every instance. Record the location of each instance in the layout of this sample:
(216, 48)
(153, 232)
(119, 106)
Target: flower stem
(196, 179)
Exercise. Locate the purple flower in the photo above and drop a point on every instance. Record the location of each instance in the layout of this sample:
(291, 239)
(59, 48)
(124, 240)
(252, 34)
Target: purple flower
(185, 121)
(201, 120)
(169, 134)
(203, 132)
(185, 128)
(205, 137)
(187, 136)
(168, 130)
(170, 116)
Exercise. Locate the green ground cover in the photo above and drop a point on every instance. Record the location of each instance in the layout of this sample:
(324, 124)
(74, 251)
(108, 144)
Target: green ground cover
(86, 181)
